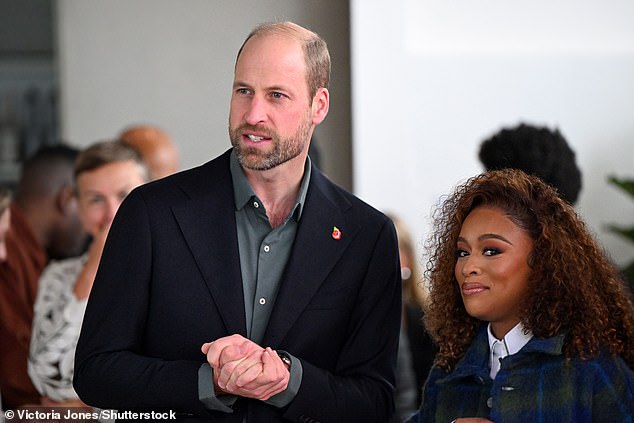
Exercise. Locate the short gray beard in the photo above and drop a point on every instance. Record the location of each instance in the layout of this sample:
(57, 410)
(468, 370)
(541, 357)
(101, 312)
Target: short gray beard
(284, 149)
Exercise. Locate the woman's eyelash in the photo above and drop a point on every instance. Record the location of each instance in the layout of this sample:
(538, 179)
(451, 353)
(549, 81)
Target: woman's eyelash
(491, 251)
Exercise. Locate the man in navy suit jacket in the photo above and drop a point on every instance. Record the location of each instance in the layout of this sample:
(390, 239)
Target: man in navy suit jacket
(250, 288)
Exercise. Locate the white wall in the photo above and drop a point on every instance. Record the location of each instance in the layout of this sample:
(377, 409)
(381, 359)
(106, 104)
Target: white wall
(171, 63)
(431, 79)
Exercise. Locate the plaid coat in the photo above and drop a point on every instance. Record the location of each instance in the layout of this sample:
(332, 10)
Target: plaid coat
(537, 384)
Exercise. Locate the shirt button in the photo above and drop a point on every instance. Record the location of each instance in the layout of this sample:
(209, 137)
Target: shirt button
(262, 301)
(490, 402)
(267, 248)
(256, 204)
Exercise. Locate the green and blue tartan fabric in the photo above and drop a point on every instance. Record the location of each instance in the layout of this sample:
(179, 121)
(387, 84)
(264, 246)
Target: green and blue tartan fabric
(535, 385)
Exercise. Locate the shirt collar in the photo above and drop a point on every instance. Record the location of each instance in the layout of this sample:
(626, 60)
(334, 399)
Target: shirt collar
(479, 353)
(243, 192)
(513, 341)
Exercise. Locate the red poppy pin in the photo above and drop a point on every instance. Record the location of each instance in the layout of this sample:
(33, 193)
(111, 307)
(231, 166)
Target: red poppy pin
(336, 233)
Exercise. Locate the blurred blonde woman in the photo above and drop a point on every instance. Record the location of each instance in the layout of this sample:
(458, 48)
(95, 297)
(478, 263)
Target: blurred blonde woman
(105, 173)
(416, 348)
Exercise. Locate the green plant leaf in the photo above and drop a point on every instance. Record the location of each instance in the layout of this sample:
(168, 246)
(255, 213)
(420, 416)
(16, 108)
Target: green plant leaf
(626, 185)
(627, 233)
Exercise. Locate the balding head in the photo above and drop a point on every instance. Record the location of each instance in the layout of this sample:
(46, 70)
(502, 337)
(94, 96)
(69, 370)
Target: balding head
(316, 54)
(156, 148)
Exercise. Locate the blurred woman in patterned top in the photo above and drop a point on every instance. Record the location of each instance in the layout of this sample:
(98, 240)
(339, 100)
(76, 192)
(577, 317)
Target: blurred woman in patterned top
(105, 173)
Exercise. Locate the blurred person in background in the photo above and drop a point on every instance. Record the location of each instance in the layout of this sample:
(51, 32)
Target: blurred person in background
(155, 146)
(44, 225)
(416, 349)
(538, 151)
(5, 220)
(105, 173)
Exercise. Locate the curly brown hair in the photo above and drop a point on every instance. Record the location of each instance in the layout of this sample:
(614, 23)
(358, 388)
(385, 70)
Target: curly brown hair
(573, 288)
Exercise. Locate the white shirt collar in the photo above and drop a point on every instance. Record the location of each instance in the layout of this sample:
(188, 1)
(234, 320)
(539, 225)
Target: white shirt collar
(513, 341)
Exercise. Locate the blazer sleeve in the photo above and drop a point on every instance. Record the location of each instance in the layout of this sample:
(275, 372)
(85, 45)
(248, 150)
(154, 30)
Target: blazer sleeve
(110, 370)
(361, 387)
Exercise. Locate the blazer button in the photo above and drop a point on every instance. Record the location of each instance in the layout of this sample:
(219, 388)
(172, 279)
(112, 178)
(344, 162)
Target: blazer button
(490, 402)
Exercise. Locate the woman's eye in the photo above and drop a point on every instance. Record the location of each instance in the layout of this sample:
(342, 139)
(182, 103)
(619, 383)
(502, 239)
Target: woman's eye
(491, 251)
(461, 253)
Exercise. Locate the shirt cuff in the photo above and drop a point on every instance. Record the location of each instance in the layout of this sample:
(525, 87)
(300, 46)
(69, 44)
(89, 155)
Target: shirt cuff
(207, 395)
(295, 380)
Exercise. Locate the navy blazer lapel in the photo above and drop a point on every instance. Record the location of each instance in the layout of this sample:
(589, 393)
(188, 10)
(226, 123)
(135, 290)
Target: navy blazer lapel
(315, 252)
(207, 222)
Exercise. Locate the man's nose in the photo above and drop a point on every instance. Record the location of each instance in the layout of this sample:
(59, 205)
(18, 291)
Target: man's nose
(256, 112)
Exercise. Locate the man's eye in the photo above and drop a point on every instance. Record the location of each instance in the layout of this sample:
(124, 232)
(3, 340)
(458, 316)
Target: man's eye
(277, 95)
(242, 91)
(94, 200)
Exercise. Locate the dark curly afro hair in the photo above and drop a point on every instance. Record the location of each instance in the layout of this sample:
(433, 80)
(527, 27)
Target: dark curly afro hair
(537, 151)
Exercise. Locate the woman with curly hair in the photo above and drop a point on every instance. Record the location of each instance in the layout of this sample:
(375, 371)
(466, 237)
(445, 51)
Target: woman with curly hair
(532, 320)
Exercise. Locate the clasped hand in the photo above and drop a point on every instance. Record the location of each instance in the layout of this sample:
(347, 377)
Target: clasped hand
(241, 367)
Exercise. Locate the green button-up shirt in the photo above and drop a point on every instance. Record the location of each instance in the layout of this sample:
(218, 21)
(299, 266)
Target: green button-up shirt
(264, 251)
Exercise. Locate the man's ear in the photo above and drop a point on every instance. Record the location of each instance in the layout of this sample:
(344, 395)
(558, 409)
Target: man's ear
(321, 104)
(66, 200)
